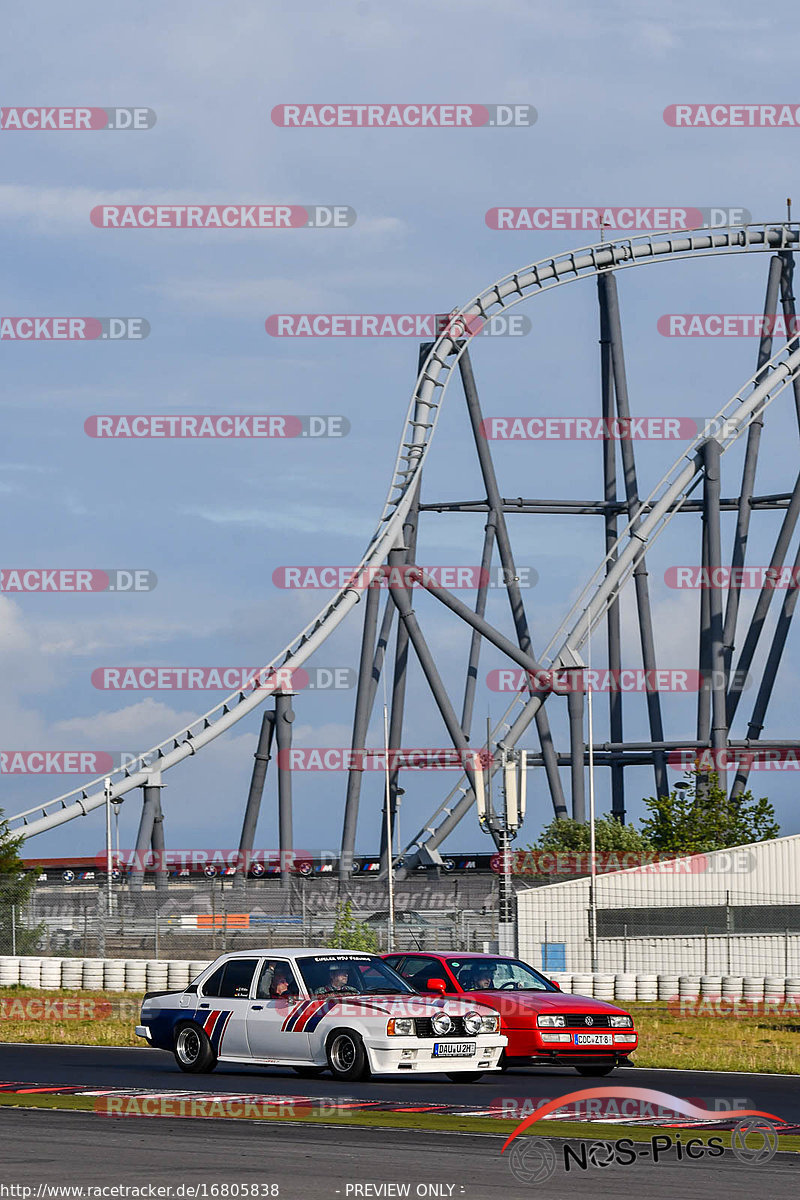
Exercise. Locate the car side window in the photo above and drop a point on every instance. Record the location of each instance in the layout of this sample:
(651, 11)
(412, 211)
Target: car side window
(419, 969)
(237, 977)
(212, 984)
(276, 981)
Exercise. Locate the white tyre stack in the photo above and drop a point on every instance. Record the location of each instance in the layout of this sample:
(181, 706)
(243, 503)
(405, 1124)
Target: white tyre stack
(647, 987)
(753, 989)
(604, 987)
(625, 987)
(711, 985)
(178, 975)
(732, 987)
(157, 975)
(72, 972)
(563, 980)
(114, 975)
(92, 974)
(774, 987)
(793, 989)
(136, 975)
(51, 973)
(9, 972)
(667, 987)
(583, 984)
(30, 972)
(689, 987)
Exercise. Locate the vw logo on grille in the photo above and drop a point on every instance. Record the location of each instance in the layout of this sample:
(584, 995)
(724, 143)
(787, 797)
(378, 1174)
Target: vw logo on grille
(589, 1020)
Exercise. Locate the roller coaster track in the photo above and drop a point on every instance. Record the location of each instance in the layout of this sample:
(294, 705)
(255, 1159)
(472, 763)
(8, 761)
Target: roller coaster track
(421, 421)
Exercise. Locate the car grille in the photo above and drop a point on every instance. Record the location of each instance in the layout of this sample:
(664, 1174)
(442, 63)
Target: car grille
(425, 1029)
(586, 1020)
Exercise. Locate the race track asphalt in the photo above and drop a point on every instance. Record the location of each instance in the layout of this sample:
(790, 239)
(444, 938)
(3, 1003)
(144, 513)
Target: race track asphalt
(39, 1147)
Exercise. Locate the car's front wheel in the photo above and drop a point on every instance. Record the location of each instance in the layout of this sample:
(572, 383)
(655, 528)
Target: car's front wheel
(596, 1070)
(193, 1051)
(464, 1076)
(347, 1057)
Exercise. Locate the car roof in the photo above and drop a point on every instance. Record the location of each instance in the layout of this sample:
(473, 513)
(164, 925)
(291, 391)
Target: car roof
(296, 952)
(447, 955)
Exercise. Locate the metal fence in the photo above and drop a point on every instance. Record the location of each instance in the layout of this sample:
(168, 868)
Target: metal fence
(201, 920)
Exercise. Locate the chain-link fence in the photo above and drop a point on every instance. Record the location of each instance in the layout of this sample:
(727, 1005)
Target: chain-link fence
(200, 920)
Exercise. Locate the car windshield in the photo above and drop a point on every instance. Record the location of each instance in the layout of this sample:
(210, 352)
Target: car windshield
(350, 974)
(498, 974)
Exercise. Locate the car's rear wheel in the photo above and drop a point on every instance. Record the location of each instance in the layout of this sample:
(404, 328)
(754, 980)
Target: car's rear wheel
(347, 1057)
(308, 1072)
(598, 1069)
(193, 1051)
(464, 1076)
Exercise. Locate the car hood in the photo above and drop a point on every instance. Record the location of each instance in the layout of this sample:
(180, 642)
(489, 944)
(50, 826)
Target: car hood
(562, 1002)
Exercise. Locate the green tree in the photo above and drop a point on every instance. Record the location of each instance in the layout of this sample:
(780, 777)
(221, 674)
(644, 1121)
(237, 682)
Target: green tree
(701, 817)
(350, 934)
(16, 885)
(610, 835)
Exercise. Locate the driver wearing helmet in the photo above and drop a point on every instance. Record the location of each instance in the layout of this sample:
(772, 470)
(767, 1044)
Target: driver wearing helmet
(338, 981)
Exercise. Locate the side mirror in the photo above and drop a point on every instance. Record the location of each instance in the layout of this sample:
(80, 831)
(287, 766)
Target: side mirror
(556, 984)
(436, 985)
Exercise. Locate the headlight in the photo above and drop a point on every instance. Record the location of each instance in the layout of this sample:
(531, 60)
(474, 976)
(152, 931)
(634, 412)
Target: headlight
(400, 1027)
(441, 1023)
(490, 1024)
(546, 1021)
(620, 1022)
(473, 1022)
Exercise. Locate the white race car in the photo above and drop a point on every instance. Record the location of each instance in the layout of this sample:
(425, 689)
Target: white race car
(317, 1010)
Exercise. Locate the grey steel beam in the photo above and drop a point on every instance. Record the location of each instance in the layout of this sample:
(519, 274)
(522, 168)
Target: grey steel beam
(612, 507)
(609, 300)
(480, 608)
(158, 843)
(716, 659)
(704, 652)
(598, 507)
(770, 671)
(284, 716)
(776, 268)
(252, 810)
(576, 755)
(405, 611)
(509, 568)
(790, 315)
(144, 836)
(365, 694)
(739, 676)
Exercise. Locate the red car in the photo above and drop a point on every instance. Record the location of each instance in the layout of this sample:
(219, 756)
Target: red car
(544, 1025)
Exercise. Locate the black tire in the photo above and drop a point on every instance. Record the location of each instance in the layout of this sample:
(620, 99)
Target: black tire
(347, 1058)
(193, 1051)
(308, 1072)
(596, 1070)
(504, 1063)
(464, 1076)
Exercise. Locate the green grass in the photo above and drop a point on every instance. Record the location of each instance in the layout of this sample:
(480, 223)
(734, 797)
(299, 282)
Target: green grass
(750, 1044)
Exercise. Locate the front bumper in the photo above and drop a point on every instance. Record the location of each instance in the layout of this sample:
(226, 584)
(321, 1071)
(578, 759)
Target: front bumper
(415, 1055)
(529, 1046)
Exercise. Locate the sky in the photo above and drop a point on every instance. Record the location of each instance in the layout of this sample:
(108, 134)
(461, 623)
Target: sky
(214, 519)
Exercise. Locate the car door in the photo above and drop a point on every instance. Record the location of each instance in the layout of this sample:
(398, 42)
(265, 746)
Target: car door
(222, 1006)
(273, 1018)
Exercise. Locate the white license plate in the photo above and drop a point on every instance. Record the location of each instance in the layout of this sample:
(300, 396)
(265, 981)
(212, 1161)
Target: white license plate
(594, 1039)
(453, 1049)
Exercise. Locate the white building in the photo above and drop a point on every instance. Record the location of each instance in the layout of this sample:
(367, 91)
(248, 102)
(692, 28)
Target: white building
(729, 912)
